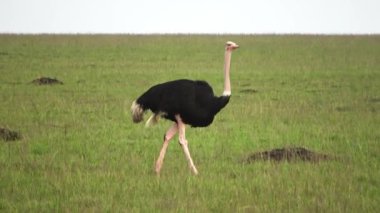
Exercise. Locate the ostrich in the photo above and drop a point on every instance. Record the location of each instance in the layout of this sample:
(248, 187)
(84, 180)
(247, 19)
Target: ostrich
(183, 102)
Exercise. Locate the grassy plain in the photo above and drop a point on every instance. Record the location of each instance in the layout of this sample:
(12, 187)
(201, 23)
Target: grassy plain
(81, 152)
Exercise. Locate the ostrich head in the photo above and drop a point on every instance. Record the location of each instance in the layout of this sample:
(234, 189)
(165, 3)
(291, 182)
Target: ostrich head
(231, 46)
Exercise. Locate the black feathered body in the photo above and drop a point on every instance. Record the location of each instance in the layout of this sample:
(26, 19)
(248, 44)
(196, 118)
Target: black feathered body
(194, 101)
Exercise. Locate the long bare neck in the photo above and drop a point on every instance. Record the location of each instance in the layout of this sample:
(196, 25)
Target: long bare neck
(227, 65)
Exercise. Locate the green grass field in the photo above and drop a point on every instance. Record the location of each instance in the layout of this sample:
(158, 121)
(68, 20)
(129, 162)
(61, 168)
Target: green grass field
(80, 151)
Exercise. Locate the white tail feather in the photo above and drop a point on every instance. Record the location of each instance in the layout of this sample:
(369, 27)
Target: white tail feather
(137, 112)
(153, 119)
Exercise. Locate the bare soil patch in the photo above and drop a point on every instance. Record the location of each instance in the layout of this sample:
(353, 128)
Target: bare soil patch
(46, 81)
(9, 135)
(288, 154)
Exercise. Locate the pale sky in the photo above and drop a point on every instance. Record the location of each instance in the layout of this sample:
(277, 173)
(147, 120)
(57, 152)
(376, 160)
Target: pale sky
(191, 16)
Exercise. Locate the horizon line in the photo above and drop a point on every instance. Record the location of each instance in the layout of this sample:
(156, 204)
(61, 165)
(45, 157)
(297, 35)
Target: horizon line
(189, 34)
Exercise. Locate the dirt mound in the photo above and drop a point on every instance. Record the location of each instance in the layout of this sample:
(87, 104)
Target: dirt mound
(248, 91)
(46, 81)
(287, 154)
(9, 135)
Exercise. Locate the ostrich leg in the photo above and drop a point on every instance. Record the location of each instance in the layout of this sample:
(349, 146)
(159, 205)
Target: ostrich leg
(183, 142)
(167, 137)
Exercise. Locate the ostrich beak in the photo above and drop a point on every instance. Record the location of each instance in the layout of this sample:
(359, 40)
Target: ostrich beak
(234, 46)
